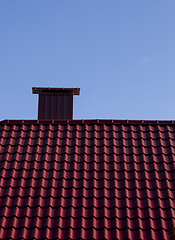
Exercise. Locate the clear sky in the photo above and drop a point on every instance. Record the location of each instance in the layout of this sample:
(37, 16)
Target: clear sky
(120, 53)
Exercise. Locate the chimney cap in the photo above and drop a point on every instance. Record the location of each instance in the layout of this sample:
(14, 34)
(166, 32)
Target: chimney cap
(37, 90)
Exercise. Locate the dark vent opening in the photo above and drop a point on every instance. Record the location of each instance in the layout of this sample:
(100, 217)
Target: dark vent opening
(55, 103)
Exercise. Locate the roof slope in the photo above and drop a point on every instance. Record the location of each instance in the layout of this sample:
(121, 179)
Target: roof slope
(87, 179)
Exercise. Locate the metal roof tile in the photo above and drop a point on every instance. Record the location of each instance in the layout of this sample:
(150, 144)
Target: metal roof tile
(87, 179)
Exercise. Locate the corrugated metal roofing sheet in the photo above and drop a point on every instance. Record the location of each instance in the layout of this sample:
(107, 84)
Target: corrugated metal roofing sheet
(87, 179)
(55, 103)
(55, 106)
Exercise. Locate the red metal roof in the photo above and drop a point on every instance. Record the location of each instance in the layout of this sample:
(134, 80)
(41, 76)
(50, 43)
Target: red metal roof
(87, 179)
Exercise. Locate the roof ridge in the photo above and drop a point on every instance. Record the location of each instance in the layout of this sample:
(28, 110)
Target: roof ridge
(87, 121)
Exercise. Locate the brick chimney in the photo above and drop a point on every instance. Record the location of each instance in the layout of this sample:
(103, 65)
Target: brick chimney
(55, 103)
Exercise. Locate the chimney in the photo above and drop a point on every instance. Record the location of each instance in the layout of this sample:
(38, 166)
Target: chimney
(55, 103)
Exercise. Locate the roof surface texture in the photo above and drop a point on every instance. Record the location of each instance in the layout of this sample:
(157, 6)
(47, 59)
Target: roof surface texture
(87, 179)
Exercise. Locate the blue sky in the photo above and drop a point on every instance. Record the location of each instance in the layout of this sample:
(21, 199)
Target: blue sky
(120, 53)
